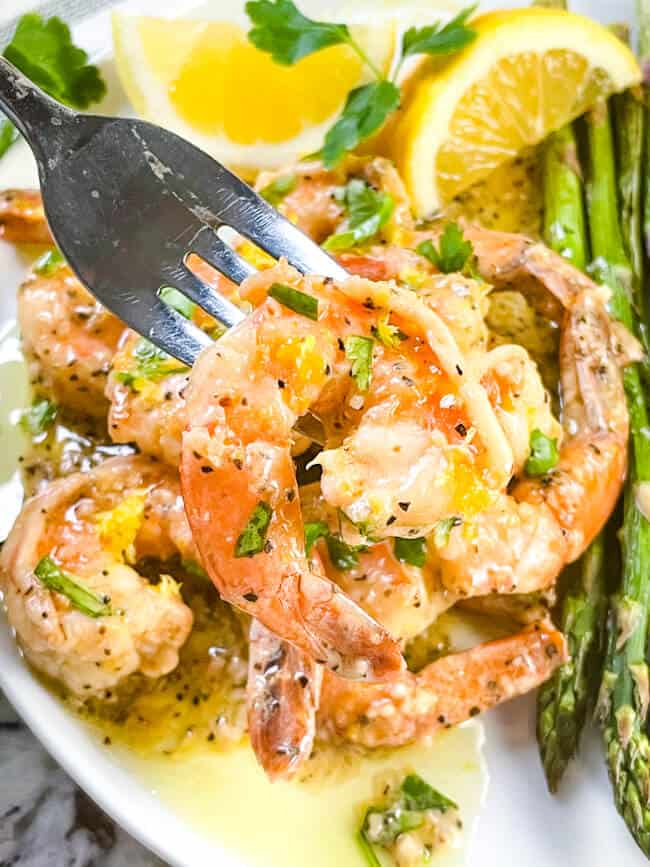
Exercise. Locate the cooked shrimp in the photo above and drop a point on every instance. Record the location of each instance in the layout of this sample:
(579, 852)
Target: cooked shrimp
(245, 395)
(283, 694)
(94, 526)
(446, 692)
(69, 339)
(22, 218)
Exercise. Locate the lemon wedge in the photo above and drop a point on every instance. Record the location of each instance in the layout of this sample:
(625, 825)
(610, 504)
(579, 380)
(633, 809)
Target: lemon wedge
(529, 72)
(205, 81)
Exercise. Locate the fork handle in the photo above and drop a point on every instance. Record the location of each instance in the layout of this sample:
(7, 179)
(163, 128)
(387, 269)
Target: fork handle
(38, 117)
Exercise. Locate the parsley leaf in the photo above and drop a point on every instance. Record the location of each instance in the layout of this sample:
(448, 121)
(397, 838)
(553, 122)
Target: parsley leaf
(544, 454)
(8, 135)
(342, 555)
(178, 302)
(54, 578)
(358, 351)
(48, 263)
(38, 417)
(251, 539)
(437, 39)
(368, 211)
(411, 551)
(365, 110)
(280, 29)
(453, 251)
(389, 335)
(150, 363)
(43, 50)
(294, 299)
(313, 532)
(276, 191)
(443, 528)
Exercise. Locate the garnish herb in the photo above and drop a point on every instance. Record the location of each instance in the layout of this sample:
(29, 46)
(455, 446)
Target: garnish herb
(193, 568)
(443, 528)
(544, 454)
(342, 555)
(280, 29)
(39, 417)
(54, 578)
(294, 299)
(151, 363)
(314, 531)
(358, 351)
(49, 262)
(389, 335)
(406, 811)
(453, 253)
(252, 538)
(178, 302)
(42, 49)
(368, 211)
(276, 191)
(411, 551)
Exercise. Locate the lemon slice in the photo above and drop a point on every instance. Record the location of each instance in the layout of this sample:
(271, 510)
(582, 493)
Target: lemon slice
(205, 81)
(529, 72)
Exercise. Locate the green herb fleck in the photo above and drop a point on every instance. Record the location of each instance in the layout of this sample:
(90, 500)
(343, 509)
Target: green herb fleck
(358, 351)
(178, 302)
(342, 555)
(453, 253)
(275, 192)
(313, 532)
(150, 363)
(411, 551)
(389, 335)
(280, 29)
(54, 578)
(368, 211)
(8, 135)
(193, 568)
(299, 302)
(544, 454)
(252, 538)
(39, 417)
(48, 263)
(443, 528)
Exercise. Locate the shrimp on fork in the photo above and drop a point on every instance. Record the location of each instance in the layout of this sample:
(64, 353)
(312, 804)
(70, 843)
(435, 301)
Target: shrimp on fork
(22, 218)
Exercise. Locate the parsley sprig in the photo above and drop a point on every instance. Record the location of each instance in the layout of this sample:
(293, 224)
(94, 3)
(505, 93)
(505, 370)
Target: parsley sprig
(280, 29)
(42, 49)
(368, 210)
(453, 252)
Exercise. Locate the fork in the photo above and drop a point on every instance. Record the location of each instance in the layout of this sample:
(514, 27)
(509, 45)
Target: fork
(127, 202)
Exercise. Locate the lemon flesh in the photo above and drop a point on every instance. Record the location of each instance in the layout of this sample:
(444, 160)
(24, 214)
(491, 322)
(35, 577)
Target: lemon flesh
(529, 72)
(206, 81)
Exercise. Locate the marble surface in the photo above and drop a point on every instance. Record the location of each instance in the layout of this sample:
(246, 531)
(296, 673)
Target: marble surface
(45, 819)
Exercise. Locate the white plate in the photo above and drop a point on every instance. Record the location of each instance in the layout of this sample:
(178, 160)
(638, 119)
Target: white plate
(520, 822)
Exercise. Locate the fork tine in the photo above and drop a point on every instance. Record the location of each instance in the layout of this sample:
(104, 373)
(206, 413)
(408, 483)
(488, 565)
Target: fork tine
(205, 296)
(209, 246)
(168, 330)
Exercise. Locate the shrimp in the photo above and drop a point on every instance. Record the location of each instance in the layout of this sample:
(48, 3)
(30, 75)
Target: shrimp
(94, 526)
(69, 339)
(446, 692)
(22, 218)
(283, 694)
(236, 472)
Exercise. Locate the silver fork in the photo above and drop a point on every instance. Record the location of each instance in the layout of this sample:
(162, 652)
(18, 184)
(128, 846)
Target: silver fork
(127, 202)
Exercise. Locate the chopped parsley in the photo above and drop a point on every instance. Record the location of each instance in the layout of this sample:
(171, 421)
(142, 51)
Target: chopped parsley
(443, 528)
(80, 597)
(407, 809)
(358, 351)
(343, 555)
(39, 417)
(411, 551)
(280, 29)
(544, 454)
(389, 335)
(368, 211)
(313, 532)
(253, 536)
(277, 190)
(453, 252)
(48, 263)
(150, 363)
(294, 299)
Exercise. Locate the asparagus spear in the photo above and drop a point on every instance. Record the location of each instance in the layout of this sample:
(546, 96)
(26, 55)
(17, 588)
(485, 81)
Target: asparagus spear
(623, 701)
